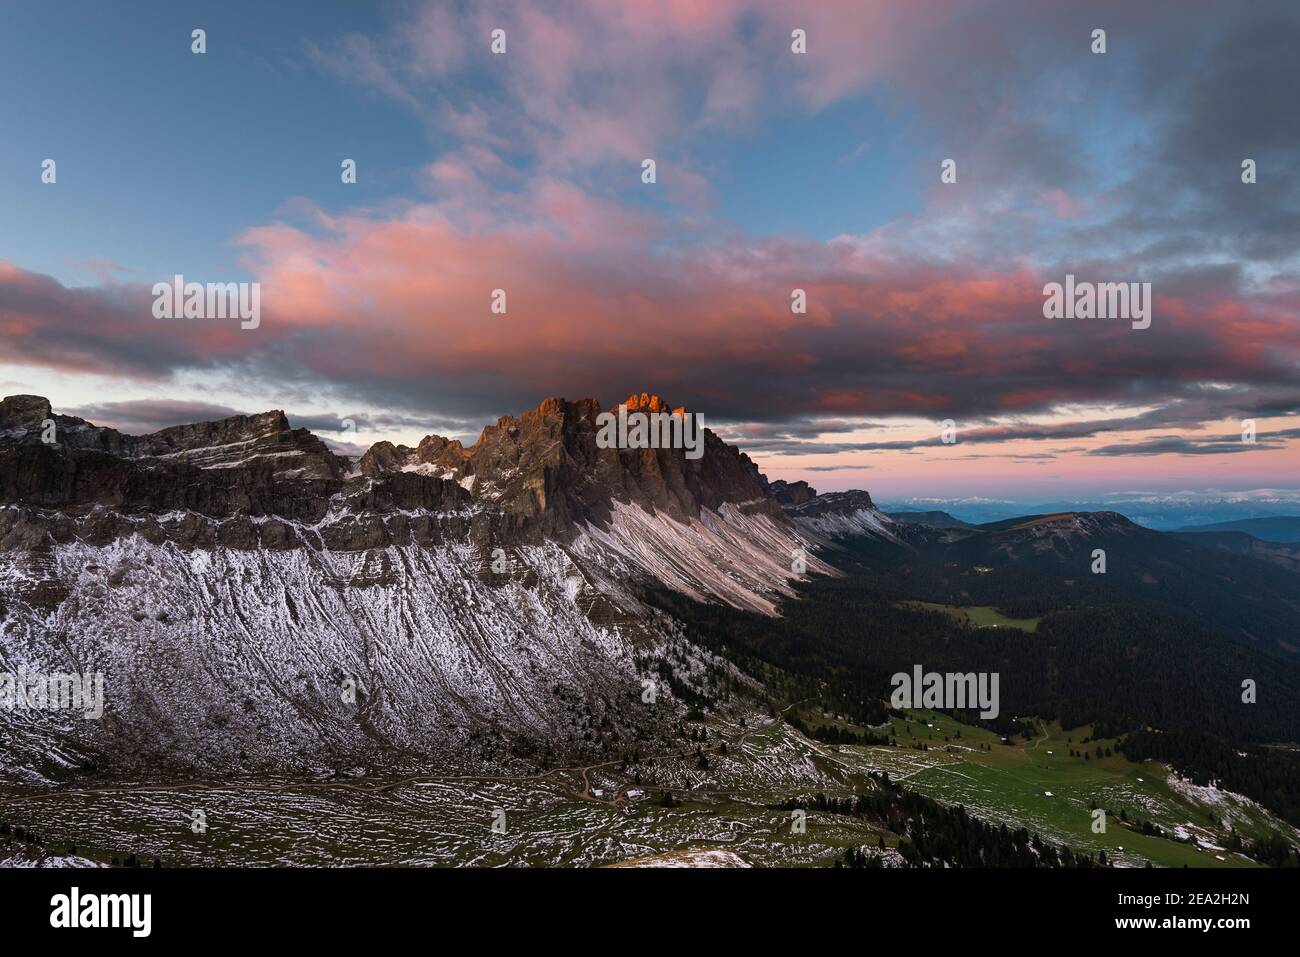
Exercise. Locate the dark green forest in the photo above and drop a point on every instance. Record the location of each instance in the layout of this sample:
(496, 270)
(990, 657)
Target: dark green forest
(1118, 666)
(1094, 659)
(936, 835)
(1270, 776)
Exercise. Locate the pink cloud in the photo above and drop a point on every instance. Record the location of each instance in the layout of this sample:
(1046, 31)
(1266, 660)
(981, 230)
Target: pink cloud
(595, 304)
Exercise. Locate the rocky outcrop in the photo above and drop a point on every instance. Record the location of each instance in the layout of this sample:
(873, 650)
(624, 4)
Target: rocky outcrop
(833, 503)
(546, 467)
(834, 516)
(271, 471)
(27, 420)
(254, 482)
(791, 493)
(23, 414)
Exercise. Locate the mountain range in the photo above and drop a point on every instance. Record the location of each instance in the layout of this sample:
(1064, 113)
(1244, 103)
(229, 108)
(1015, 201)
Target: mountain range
(235, 578)
(1163, 511)
(260, 603)
(1275, 528)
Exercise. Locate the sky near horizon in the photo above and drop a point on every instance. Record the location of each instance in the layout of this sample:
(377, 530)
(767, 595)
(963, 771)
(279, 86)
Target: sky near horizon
(775, 171)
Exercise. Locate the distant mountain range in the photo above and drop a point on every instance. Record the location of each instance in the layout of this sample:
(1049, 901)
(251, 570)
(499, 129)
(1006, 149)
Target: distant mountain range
(1164, 512)
(1272, 528)
(935, 518)
(1287, 555)
(1241, 591)
(1273, 539)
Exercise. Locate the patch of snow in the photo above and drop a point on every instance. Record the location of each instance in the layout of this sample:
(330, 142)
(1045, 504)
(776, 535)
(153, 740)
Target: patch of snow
(863, 521)
(737, 557)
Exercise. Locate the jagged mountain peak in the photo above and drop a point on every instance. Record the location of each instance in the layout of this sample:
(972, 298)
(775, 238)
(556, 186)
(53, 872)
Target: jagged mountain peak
(791, 493)
(649, 402)
(547, 466)
(838, 515)
(24, 408)
(253, 481)
(553, 407)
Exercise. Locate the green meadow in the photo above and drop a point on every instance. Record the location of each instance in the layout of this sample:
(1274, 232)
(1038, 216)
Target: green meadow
(1037, 784)
(978, 616)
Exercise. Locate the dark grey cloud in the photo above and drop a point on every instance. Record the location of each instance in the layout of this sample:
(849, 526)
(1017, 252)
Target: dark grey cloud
(804, 429)
(1182, 445)
(142, 416)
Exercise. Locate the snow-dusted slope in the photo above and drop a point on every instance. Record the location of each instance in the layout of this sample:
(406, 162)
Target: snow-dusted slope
(243, 659)
(249, 617)
(860, 521)
(837, 515)
(240, 658)
(228, 658)
(746, 559)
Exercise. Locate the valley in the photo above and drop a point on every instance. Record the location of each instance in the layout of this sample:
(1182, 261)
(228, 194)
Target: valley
(537, 651)
(980, 616)
(610, 813)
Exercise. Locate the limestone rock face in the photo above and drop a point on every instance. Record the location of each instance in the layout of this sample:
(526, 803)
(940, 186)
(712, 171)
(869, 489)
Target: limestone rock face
(485, 600)
(243, 465)
(791, 493)
(546, 467)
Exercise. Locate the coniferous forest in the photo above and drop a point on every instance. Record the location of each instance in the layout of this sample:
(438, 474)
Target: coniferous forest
(1169, 682)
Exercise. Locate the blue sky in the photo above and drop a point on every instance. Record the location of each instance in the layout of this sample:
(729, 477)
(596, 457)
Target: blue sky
(166, 156)
(775, 171)
(148, 133)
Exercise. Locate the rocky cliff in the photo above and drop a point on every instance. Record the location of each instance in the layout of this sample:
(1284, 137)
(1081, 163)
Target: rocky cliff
(257, 602)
